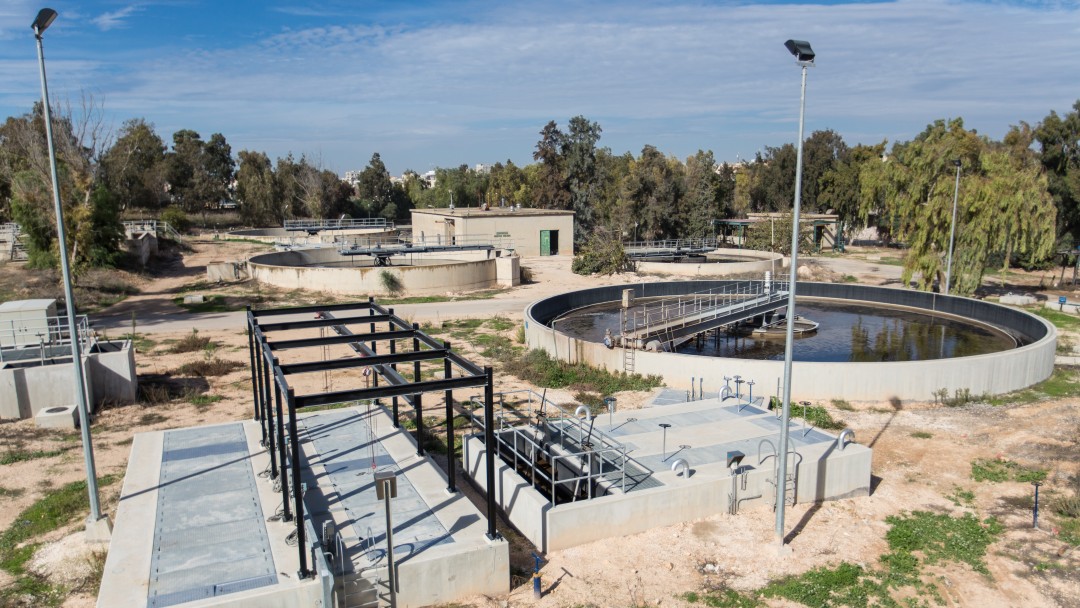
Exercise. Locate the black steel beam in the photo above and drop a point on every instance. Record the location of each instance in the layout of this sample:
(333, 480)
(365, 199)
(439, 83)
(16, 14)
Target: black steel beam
(403, 357)
(324, 321)
(341, 339)
(300, 310)
(379, 392)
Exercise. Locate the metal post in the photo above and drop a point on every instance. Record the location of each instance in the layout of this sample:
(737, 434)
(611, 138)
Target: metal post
(448, 396)
(391, 576)
(489, 441)
(952, 228)
(418, 408)
(270, 416)
(789, 340)
(1035, 513)
(81, 397)
(251, 353)
(284, 479)
(665, 426)
(298, 493)
(257, 389)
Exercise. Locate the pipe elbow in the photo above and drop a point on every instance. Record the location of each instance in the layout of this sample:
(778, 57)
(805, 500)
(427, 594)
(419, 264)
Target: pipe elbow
(847, 434)
(583, 410)
(681, 467)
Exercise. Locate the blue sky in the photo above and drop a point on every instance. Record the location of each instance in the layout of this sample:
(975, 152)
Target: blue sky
(436, 83)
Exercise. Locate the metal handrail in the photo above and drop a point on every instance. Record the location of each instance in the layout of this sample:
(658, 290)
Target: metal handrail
(338, 224)
(53, 331)
(701, 306)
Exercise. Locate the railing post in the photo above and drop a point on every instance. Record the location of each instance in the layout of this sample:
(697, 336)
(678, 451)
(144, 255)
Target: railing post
(489, 441)
(269, 412)
(284, 479)
(451, 470)
(298, 494)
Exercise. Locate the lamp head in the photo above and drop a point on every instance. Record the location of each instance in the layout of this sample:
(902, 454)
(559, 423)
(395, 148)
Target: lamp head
(956, 162)
(801, 50)
(44, 19)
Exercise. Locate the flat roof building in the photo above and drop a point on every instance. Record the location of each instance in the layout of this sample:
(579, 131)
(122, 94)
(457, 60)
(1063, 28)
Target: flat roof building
(530, 232)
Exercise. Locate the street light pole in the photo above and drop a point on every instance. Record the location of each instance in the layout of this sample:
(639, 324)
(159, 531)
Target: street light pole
(804, 57)
(44, 19)
(952, 228)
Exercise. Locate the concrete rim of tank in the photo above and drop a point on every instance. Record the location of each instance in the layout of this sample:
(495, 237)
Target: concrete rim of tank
(990, 373)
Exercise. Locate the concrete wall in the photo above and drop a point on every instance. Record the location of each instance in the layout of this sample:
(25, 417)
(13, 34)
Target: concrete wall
(142, 245)
(110, 377)
(993, 373)
(755, 262)
(823, 473)
(508, 271)
(451, 271)
(522, 227)
(299, 238)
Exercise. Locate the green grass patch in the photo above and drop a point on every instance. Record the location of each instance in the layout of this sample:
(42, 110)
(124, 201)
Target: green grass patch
(849, 278)
(485, 294)
(843, 585)
(922, 435)
(961, 497)
(819, 417)
(499, 324)
(209, 367)
(191, 343)
(996, 471)
(142, 343)
(1060, 320)
(537, 367)
(942, 537)
(13, 456)
(723, 598)
(1064, 382)
(204, 400)
(1069, 530)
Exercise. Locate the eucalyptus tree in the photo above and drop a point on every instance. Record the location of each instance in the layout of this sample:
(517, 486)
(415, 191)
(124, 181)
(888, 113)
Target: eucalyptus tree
(1003, 205)
(1059, 143)
(133, 168)
(259, 192)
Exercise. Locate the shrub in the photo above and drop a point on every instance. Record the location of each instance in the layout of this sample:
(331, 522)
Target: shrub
(175, 217)
(191, 343)
(391, 283)
(602, 254)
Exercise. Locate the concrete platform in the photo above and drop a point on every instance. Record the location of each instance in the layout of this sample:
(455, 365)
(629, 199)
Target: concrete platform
(191, 527)
(701, 433)
(441, 550)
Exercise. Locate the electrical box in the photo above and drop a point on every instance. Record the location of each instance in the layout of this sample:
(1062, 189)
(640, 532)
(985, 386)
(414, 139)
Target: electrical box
(381, 477)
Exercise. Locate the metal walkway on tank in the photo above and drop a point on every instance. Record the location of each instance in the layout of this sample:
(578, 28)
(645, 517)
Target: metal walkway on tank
(673, 318)
(672, 248)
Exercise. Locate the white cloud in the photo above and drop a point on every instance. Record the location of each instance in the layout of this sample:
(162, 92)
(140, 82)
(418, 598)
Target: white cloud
(115, 19)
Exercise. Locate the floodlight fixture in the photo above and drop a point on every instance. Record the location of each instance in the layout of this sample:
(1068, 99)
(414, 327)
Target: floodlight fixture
(44, 19)
(801, 50)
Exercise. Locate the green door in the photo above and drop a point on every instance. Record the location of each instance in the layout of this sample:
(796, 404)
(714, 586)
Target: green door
(545, 242)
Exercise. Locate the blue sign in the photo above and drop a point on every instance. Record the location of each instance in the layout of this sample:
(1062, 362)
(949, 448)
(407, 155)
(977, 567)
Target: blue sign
(1061, 299)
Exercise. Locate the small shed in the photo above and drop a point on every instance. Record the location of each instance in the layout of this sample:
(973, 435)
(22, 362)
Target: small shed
(530, 232)
(26, 321)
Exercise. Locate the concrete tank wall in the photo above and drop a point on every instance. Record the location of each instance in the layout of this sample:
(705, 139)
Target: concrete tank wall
(298, 238)
(755, 262)
(452, 271)
(993, 373)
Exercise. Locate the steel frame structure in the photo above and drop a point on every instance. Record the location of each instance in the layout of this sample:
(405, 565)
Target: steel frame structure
(276, 402)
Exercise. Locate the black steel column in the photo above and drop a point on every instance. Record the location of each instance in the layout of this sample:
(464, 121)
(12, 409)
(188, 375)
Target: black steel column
(286, 509)
(419, 413)
(270, 416)
(371, 313)
(491, 450)
(394, 400)
(256, 388)
(451, 469)
(251, 355)
(298, 494)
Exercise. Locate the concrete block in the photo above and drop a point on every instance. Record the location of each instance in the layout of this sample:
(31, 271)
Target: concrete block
(195, 298)
(1017, 299)
(58, 417)
(99, 531)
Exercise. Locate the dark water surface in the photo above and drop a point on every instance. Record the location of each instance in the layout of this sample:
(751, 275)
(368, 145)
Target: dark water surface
(848, 333)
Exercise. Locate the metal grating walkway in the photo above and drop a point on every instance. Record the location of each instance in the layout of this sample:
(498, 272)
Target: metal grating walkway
(347, 449)
(209, 535)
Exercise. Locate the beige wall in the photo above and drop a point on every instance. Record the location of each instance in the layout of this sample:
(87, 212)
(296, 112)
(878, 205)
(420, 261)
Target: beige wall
(524, 229)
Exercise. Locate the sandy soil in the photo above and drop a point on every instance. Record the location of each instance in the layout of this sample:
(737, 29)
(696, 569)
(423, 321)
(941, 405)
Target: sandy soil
(1028, 567)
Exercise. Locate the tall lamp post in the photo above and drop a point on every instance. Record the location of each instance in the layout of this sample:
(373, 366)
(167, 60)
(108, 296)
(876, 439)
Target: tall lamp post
(804, 57)
(44, 19)
(952, 228)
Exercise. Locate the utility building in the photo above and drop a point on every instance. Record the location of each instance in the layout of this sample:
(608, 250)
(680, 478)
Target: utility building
(530, 232)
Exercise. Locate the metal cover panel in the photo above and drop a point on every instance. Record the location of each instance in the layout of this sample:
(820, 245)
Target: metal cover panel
(210, 538)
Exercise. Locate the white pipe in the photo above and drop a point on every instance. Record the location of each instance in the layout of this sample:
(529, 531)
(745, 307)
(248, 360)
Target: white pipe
(681, 464)
(846, 433)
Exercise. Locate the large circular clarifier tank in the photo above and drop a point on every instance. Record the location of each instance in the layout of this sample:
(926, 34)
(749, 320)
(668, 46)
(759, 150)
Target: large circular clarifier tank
(716, 263)
(1030, 362)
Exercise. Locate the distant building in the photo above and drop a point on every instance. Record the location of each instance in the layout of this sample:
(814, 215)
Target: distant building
(352, 178)
(531, 232)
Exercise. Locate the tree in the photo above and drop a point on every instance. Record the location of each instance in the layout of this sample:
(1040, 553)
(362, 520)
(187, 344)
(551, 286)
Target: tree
(257, 188)
(582, 173)
(702, 202)
(1003, 206)
(199, 173)
(1059, 143)
(550, 191)
(651, 193)
(774, 234)
(134, 167)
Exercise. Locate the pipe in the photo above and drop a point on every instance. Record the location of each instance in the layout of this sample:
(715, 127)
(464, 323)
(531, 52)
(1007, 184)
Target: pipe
(583, 409)
(849, 434)
(681, 464)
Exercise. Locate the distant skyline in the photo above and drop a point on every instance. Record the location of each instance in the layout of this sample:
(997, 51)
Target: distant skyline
(440, 83)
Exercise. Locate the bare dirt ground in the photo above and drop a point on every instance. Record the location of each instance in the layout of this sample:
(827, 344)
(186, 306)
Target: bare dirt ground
(922, 461)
